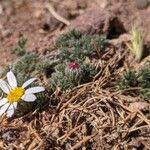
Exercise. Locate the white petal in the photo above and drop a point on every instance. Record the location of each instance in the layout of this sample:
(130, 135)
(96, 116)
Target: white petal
(35, 90)
(11, 79)
(28, 82)
(15, 105)
(10, 110)
(4, 108)
(4, 86)
(3, 101)
(29, 97)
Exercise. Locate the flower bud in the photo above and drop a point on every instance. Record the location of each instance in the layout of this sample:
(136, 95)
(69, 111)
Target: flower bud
(73, 71)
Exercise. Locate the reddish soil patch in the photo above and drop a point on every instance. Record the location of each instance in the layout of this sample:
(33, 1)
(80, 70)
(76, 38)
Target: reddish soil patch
(30, 18)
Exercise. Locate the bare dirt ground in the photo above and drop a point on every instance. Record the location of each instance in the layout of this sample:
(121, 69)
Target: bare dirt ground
(34, 20)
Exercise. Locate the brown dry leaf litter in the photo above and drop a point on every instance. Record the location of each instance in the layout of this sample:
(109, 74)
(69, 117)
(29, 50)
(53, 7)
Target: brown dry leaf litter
(90, 115)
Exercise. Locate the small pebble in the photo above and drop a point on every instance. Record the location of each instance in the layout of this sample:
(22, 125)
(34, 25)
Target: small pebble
(141, 4)
(1, 9)
(6, 33)
(7, 136)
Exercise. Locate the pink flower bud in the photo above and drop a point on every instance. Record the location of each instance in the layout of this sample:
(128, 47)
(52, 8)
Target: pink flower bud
(73, 66)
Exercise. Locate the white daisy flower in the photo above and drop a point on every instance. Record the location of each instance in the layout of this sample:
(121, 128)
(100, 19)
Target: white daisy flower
(15, 94)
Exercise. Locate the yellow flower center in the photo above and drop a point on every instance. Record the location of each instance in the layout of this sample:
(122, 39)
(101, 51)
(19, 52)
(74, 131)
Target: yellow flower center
(15, 94)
